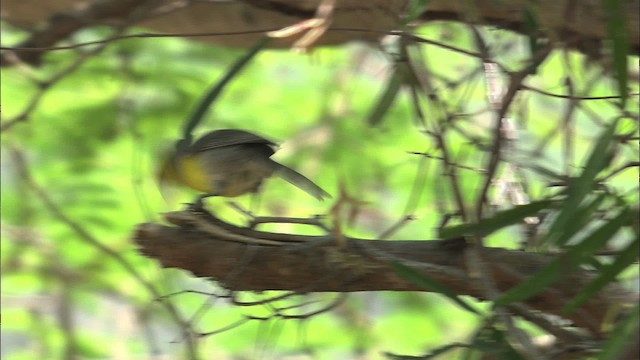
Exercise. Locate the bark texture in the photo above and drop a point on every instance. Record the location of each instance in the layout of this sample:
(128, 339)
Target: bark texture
(577, 24)
(210, 248)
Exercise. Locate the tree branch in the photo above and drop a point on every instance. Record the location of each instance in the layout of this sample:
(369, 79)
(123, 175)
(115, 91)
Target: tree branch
(209, 247)
(580, 25)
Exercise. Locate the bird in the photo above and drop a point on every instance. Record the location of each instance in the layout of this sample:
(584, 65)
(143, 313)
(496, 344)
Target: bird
(230, 163)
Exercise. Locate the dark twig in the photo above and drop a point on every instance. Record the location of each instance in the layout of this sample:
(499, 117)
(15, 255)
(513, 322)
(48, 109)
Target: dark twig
(515, 83)
(46, 85)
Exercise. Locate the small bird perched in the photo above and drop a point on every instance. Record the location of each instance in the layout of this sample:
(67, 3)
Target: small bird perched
(230, 163)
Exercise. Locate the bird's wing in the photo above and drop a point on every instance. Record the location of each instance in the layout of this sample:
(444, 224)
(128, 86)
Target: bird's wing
(228, 137)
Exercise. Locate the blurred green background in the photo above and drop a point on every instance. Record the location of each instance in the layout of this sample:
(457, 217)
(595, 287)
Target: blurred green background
(93, 141)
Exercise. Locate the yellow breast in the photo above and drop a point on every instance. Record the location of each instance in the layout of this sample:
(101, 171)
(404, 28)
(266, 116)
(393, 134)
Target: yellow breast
(194, 174)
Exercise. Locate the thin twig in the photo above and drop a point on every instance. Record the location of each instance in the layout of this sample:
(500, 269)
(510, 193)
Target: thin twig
(515, 83)
(88, 238)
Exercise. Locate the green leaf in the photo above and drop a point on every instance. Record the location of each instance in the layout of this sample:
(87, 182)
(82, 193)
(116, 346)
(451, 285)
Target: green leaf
(212, 95)
(607, 275)
(388, 97)
(621, 336)
(416, 8)
(430, 284)
(543, 171)
(531, 28)
(582, 217)
(443, 349)
(403, 357)
(635, 222)
(566, 263)
(580, 187)
(617, 33)
(498, 221)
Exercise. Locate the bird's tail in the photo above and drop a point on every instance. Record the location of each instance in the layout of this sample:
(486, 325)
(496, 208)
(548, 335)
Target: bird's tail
(300, 181)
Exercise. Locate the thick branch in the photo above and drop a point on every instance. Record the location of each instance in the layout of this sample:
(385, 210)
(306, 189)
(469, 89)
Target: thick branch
(576, 24)
(311, 264)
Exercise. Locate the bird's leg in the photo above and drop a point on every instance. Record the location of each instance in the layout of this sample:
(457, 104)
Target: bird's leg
(198, 204)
